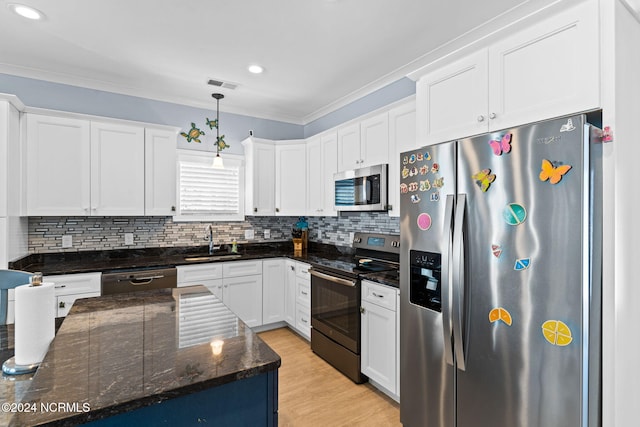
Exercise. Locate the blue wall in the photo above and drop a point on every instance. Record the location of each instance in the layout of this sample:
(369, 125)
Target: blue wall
(235, 127)
(378, 99)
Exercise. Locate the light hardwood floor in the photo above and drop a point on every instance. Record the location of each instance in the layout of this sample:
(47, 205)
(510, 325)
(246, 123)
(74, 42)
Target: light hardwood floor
(313, 393)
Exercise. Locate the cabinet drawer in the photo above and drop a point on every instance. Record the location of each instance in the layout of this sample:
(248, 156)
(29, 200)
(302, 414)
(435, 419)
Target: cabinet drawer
(302, 270)
(303, 293)
(192, 274)
(65, 302)
(303, 321)
(66, 284)
(381, 295)
(241, 268)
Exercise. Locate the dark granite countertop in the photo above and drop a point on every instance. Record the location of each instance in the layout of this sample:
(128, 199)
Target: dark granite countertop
(124, 259)
(114, 354)
(389, 278)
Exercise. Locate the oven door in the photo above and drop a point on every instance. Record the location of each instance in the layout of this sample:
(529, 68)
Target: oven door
(335, 308)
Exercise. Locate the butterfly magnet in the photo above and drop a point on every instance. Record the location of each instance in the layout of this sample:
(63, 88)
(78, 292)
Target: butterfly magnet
(522, 264)
(553, 171)
(496, 250)
(484, 178)
(502, 146)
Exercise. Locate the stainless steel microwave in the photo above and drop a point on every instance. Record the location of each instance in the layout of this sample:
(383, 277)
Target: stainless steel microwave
(363, 189)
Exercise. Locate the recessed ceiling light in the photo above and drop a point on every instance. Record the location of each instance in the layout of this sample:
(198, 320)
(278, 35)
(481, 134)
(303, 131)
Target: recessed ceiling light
(26, 11)
(255, 69)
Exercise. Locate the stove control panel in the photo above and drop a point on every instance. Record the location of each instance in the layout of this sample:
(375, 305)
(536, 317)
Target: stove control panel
(377, 242)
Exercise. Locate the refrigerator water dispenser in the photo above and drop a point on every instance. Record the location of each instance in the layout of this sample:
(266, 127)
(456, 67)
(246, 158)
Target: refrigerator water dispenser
(424, 288)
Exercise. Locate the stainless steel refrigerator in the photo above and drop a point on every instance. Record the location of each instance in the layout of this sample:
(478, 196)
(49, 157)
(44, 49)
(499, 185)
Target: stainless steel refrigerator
(501, 279)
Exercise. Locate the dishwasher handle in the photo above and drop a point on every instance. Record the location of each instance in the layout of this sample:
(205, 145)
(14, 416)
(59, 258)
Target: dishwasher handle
(115, 283)
(142, 280)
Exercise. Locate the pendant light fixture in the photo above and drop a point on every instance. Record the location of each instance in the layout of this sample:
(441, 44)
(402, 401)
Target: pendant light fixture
(220, 144)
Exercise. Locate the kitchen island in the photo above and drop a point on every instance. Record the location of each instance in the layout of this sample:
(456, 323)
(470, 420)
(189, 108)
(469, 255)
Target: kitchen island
(164, 357)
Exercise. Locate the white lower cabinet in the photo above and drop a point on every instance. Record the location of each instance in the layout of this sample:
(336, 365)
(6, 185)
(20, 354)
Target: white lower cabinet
(68, 288)
(243, 296)
(379, 336)
(238, 284)
(273, 290)
(303, 299)
(297, 305)
(290, 292)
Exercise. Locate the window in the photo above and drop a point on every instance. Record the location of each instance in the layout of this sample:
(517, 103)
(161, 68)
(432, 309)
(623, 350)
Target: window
(208, 194)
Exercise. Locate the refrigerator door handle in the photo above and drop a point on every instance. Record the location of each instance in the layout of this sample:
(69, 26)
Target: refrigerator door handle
(458, 282)
(446, 280)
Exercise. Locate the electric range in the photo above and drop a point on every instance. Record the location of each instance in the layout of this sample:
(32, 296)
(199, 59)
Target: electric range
(336, 297)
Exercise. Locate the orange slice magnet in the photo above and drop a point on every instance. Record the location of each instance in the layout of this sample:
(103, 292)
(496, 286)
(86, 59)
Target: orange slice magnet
(500, 313)
(557, 332)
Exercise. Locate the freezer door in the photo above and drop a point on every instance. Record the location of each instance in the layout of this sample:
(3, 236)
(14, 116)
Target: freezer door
(426, 380)
(524, 243)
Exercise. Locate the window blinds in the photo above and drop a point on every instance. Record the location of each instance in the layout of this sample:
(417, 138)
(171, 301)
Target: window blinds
(203, 317)
(204, 190)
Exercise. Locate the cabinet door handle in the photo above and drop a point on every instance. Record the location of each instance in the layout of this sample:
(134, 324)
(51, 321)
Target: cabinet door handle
(255, 209)
(62, 304)
(277, 209)
(304, 293)
(362, 310)
(492, 116)
(292, 268)
(60, 286)
(377, 295)
(481, 118)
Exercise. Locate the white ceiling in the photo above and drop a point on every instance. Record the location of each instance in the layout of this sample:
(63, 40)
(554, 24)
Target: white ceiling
(317, 54)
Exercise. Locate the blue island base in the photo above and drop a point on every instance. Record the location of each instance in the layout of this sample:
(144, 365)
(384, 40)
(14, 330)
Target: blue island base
(248, 402)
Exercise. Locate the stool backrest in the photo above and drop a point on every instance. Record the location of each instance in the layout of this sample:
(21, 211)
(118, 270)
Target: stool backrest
(9, 279)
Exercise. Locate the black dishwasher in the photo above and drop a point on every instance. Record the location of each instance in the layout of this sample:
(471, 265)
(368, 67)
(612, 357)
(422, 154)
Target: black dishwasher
(138, 280)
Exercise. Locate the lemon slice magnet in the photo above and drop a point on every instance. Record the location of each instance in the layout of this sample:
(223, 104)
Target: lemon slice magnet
(557, 332)
(500, 313)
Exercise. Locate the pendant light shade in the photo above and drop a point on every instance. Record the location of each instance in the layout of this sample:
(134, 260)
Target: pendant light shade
(217, 160)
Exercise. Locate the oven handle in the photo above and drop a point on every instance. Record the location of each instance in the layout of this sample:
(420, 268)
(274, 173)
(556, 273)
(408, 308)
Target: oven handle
(334, 279)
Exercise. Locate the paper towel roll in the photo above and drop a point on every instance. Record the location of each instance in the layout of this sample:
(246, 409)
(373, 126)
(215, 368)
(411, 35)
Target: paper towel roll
(35, 313)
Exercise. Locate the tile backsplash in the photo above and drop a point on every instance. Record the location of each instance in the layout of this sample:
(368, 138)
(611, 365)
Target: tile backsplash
(99, 233)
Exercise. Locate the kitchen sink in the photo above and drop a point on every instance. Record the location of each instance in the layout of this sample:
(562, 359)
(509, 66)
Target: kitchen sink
(211, 257)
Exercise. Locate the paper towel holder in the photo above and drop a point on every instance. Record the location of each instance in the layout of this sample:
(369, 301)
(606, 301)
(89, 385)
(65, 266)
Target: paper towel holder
(10, 367)
(10, 279)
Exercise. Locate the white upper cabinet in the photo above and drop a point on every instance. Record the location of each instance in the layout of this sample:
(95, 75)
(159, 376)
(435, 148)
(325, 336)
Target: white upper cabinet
(363, 143)
(402, 137)
(538, 72)
(374, 140)
(291, 178)
(260, 157)
(80, 167)
(349, 147)
(117, 169)
(452, 101)
(322, 162)
(547, 70)
(58, 165)
(160, 172)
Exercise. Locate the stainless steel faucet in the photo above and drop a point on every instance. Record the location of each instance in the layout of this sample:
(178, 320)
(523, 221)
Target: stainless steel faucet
(209, 229)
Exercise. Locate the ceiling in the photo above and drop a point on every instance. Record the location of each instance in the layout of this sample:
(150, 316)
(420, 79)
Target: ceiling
(317, 54)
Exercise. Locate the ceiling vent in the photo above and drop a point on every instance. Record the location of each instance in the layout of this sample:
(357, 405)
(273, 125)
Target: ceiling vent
(222, 84)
